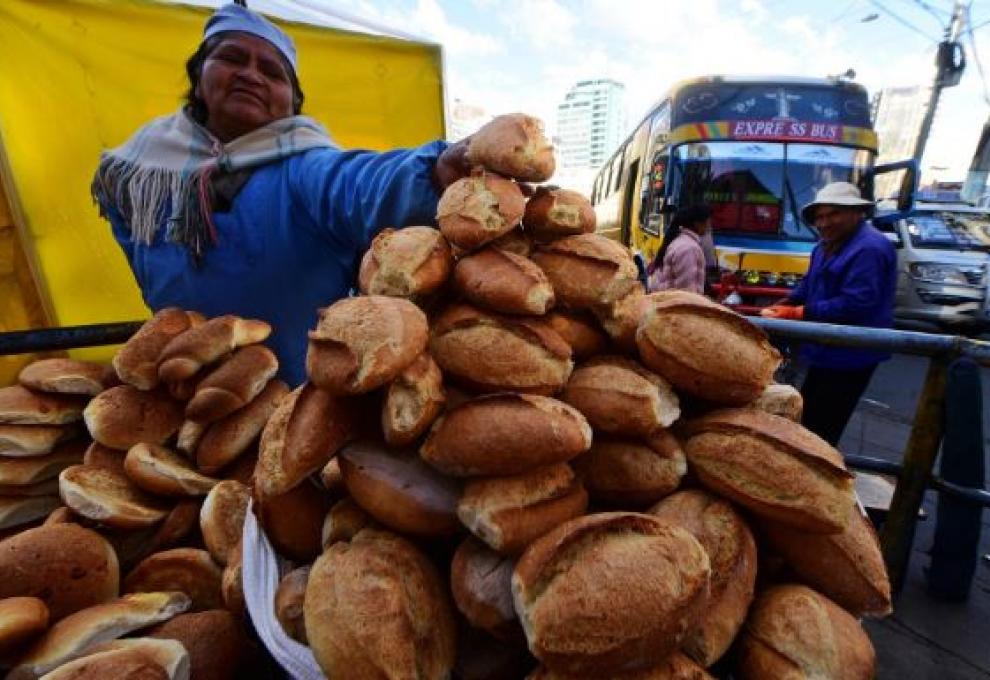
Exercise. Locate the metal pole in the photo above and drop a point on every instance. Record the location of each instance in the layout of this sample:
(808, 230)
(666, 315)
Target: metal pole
(951, 34)
(50, 339)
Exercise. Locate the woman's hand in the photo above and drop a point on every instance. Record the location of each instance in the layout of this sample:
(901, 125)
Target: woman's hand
(452, 165)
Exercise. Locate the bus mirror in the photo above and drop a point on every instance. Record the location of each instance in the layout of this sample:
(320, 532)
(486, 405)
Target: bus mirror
(896, 182)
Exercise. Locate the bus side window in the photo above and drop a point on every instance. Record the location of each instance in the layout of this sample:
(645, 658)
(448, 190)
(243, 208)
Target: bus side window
(655, 193)
(617, 170)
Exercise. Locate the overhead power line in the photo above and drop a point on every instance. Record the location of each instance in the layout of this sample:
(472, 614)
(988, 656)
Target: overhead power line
(903, 22)
(976, 57)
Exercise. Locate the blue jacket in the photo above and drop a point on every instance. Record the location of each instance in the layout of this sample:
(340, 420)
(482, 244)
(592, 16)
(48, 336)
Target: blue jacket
(854, 286)
(291, 242)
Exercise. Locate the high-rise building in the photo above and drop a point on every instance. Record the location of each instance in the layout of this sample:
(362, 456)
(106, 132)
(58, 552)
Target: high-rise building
(465, 119)
(898, 113)
(591, 122)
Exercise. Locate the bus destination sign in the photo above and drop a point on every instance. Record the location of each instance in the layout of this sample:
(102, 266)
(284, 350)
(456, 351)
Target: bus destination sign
(781, 129)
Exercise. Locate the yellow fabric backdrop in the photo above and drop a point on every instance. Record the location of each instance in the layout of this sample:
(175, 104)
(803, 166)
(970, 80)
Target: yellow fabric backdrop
(79, 76)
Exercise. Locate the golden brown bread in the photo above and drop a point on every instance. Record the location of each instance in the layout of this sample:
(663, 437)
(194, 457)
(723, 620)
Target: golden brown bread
(233, 384)
(674, 667)
(513, 144)
(289, 598)
(189, 436)
(293, 521)
(362, 343)
(21, 406)
(481, 582)
(587, 271)
(408, 263)
(847, 568)
(124, 416)
(503, 281)
(494, 353)
(399, 490)
(22, 619)
(509, 513)
(375, 607)
(18, 511)
(630, 473)
(129, 662)
(731, 550)
(612, 591)
(107, 496)
(413, 401)
(161, 471)
(553, 213)
(706, 350)
(185, 570)
(514, 241)
(476, 210)
(214, 640)
(29, 471)
(620, 396)
(229, 437)
(221, 519)
(772, 466)
(203, 345)
(344, 519)
(580, 332)
(66, 376)
(22, 441)
(103, 456)
(781, 400)
(232, 583)
(794, 632)
(331, 478)
(621, 318)
(136, 362)
(505, 434)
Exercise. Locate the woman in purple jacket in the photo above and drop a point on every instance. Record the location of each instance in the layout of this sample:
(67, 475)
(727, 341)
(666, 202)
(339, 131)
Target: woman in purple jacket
(680, 263)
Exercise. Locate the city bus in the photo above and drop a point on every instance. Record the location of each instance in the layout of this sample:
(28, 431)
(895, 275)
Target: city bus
(755, 150)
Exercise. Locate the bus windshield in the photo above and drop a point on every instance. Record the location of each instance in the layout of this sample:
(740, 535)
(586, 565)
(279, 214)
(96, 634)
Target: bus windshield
(758, 188)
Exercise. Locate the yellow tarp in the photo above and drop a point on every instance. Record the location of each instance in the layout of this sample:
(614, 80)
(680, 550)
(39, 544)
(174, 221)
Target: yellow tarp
(79, 76)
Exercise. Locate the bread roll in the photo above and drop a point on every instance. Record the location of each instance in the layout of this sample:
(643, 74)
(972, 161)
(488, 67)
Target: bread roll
(29, 471)
(221, 519)
(229, 437)
(514, 145)
(794, 632)
(203, 345)
(60, 515)
(22, 619)
(505, 434)
(24, 441)
(363, 343)
(503, 282)
(514, 241)
(103, 456)
(163, 472)
(233, 384)
(481, 582)
(186, 570)
(289, 598)
(293, 521)
(344, 520)
(476, 210)
(375, 607)
(133, 659)
(66, 376)
(136, 362)
(732, 553)
(490, 352)
(413, 401)
(190, 433)
(181, 520)
(399, 490)
(587, 271)
(232, 583)
(407, 263)
(109, 497)
(124, 416)
(772, 466)
(15, 512)
(630, 473)
(214, 640)
(847, 568)
(674, 667)
(781, 400)
(21, 406)
(706, 350)
(332, 479)
(580, 332)
(612, 590)
(509, 513)
(621, 318)
(554, 213)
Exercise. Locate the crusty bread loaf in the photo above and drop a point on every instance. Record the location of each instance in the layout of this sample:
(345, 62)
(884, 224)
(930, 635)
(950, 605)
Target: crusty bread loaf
(365, 342)
(229, 437)
(553, 213)
(620, 396)
(706, 350)
(18, 511)
(185, 570)
(66, 376)
(161, 471)
(343, 521)
(66, 566)
(293, 521)
(107, 496)
(22, 619)
(413, 401)
(580, 332)
(202, 345)
(509, 513)
(505, 434)
(847, 568)
(233, 384)
(221, 519)
(481, 582)
(136, 362)
(772, 466)
(23, 441)
(621, 318)
(214, 640)
(781, 400)
(503, 281)
(632, 473)
(352, 584)
(731, 550)
(476, 210)
(514, 241)
(124, 416)
(677, 666)
(409, 263)
(794, 632)
(29, 471)
(587, 271)
(21, 406)
(513, 144)
(612, 590)
(289, 598)
(399, 490)
(494, 353)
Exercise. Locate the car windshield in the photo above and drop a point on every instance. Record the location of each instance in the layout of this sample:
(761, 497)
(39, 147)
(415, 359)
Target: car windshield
(957, 231)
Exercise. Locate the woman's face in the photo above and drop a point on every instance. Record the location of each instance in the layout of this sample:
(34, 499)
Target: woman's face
(245, 85)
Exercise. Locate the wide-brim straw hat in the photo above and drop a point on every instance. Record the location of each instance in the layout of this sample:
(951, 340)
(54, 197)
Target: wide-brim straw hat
(841, 194)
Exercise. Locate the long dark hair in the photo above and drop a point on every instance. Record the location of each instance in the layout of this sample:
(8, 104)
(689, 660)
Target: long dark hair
(685, 217)
(194, 70)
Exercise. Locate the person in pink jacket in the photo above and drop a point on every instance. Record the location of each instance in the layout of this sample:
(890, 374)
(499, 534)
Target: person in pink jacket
(680, 262)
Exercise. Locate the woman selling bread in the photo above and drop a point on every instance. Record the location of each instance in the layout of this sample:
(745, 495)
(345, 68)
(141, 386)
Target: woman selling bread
(680, 262)
(237, 204)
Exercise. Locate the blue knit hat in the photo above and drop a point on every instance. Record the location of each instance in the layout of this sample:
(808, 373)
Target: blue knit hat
(236, 18)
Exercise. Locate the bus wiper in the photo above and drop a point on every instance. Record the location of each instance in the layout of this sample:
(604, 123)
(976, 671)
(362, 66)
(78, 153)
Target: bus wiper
(794, 211)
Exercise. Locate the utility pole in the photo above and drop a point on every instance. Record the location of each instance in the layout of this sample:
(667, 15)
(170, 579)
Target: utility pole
(949, 64)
